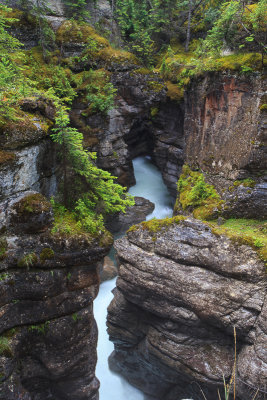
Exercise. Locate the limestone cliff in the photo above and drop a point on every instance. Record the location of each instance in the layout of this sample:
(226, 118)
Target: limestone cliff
(181, 291)
(48, 282)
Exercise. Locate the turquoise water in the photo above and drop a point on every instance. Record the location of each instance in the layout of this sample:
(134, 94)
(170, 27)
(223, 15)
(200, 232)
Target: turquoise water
(149, 184)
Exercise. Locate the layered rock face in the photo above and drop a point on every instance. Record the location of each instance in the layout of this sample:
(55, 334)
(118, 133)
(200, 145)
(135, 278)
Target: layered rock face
(181, 291)
(48, 282)
(27, 155)
(225, 135)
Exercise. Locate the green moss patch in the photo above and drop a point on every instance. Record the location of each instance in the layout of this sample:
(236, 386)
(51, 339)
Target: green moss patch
(47, 254)
(245, 231)
(174, 91)
(156, 225)
(66, 226)
(155, 86)
(196, 195)
(73, 32)
(142, 71)
(178, 67)
(21, 128)
(32, 204)
(109, 55)
(249, 183)
(3, 248)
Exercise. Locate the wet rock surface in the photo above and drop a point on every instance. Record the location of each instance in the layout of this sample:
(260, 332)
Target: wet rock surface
(108, 270)
(133, 215)
(180, 293)
(47, 286)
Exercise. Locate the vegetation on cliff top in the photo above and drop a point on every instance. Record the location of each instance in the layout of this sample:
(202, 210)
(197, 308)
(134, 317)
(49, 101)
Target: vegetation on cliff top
(196, 195)
(88, 193)
(245, 231)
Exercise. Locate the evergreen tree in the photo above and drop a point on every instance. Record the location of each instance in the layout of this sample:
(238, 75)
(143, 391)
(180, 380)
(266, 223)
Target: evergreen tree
(104, 196)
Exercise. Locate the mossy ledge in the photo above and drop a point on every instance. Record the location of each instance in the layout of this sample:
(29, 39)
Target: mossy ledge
(196, 196)
(32, 204)
(67, 227)
(250, 232)
(157, 225)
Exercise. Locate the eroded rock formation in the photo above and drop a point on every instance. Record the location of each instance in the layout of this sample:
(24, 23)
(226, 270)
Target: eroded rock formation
(48, 282)
(226, 137)
(181, 291)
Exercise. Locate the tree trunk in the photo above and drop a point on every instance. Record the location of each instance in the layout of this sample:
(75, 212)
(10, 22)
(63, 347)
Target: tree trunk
(65, 189)
(188, 32)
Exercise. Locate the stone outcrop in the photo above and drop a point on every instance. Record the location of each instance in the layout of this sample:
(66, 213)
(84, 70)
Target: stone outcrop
(48, 282)
(181, 291)
(133, 215)
(225, 136)
(27, 155)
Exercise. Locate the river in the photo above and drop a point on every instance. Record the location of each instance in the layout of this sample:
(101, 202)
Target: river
(149, 184)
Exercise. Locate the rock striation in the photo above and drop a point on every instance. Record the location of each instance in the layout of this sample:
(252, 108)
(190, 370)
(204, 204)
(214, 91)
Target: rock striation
(226, 138)
(48, 282)
(180, 292)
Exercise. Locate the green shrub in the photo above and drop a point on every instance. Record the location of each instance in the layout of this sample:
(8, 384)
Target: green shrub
(5, 349)
(29, 260)
(196, 195)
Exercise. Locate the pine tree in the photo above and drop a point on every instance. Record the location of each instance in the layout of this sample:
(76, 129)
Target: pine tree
(104, 196)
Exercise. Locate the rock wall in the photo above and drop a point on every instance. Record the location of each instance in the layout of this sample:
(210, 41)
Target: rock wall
(226, 137)
(144, 121)
(28, 159)
(48, 282)
(181, 291)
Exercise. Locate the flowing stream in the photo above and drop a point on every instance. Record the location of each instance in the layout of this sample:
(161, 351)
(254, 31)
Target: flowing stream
(149, 184)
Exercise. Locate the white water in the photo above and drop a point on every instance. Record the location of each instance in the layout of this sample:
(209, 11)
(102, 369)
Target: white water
(149, 184)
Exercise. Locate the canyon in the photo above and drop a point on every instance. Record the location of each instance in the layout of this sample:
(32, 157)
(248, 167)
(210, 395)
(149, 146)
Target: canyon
(182, 287)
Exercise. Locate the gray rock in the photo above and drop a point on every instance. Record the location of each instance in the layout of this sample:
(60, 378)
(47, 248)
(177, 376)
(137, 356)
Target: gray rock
(47, 286)
(133, 215)
(180, 293)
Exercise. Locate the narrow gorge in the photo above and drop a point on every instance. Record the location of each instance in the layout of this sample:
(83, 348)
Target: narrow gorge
(101, 101)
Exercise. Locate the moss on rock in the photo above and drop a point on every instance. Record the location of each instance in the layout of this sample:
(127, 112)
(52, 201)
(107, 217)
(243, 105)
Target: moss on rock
(156, 225)
(6, 157)
(32, 204)
(3, 248)
(73, 32)
(22, 129)
(174, 91)
(47, 254)
(155, 86)
(5, 349)
(245, 231)
(196, 195)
